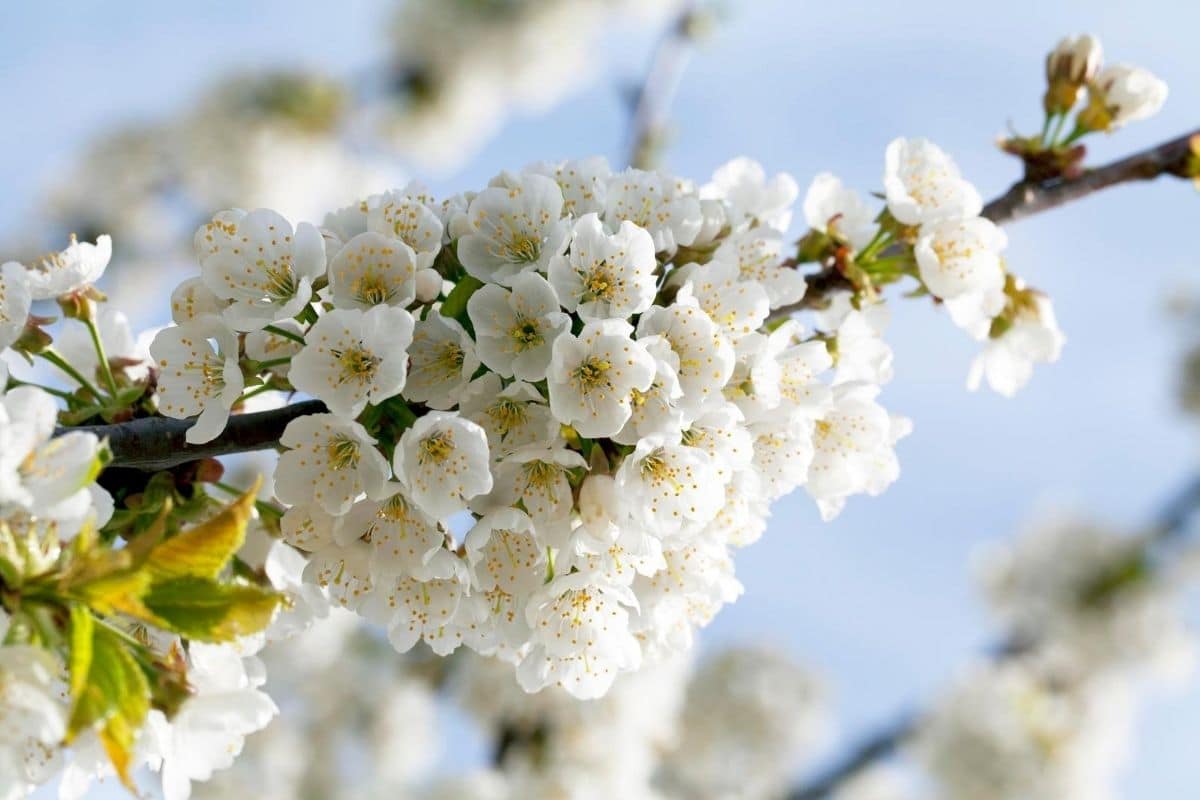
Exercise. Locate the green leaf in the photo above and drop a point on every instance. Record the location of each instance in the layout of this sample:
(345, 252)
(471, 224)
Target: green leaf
(203, 551)
(456, 303)
(202, 609)
(113, 696)
(82, 632)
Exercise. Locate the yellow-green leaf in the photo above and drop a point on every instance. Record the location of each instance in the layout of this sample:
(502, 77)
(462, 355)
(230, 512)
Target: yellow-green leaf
(115, 686)
(202, 609)
(80, 664)
(203, 551)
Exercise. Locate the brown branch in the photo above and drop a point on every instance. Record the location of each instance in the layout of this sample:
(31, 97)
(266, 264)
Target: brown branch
(1173, 522)
(154, 443)
(654, 96)
(1026, 198)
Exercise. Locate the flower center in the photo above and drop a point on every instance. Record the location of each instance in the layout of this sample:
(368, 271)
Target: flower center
(358, 365)
(372, 288)
(599, 284)
(436, 448)
(523, 248)
(507, 416)
(526, 334)
(592, 374)
(342, 453)
(280, 283)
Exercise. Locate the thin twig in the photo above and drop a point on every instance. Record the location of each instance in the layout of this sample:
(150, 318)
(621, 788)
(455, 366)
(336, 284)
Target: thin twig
(653, 98)
(1172, 522)
(1026, 198)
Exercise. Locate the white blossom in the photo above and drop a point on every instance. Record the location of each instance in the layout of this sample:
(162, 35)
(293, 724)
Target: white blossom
(1007, 360)
(514, 228)
(605, 275)
(198, 374)
(743, 184)
(15, 299)
(593, 375)
(515, 329)
(442, 360)
(256, 261)
(1128, 94)
(959, 256)
(352, 357)
(443, 461)
(371, 270)
(70, 270)
(329, 462)
(831, 208)
(923, 184)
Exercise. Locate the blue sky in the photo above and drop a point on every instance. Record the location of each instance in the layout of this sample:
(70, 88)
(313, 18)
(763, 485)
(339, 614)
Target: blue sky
(882, 597)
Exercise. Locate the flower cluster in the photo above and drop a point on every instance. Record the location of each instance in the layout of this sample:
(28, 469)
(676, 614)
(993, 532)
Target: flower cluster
(932, 230)
(598, 381)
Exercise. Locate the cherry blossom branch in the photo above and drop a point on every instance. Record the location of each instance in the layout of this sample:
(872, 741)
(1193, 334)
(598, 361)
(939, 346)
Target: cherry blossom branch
(1172, 522)
(154, 443)
(654, 96)
(1026, 198)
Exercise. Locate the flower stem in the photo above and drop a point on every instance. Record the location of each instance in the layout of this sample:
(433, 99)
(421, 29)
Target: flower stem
(286, 334)
(272, 362)
(60, 362)
(105, 367)
(255, 392)
(59, 393)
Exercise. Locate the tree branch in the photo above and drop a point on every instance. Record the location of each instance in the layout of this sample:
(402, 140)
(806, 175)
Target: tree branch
(657, 91)
(1026, 198)
(154, 443)
(1172, 522)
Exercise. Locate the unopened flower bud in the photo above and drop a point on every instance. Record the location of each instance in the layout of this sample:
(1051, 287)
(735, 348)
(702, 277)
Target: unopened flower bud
(1069, 66)
(1120, 94)
(81, 304)
(429, 285)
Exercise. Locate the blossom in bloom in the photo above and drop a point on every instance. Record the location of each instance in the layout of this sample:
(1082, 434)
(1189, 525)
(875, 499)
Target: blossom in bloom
(581, 638)
(67, 271)
(415, 610)
(259, 263)
(583, 182)
(537, 478)
(514, 228)
(352, 357)
(198, 374)
(515, 329)
(192, 298)
(343, 571)
(442, 360)
(75, 344)
(443, 461)
(758, 253)
(606, 275)
(512, 416)
(1121, 94)
(959, 256)
(1003, 732)
(309, 526)
(403, 538)
(671, 487)
(853, 448)
(743, 184)
(706, 356)
(593, 375)
(32, 718)
(507, 560)
(41, 474)
(832, 208)
(923, 184)
(371, 270)
(1007, 360)
(15, 299)
(651, 201)
(656, 410)
(329, 461)
(209, 729)
(405, 216)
